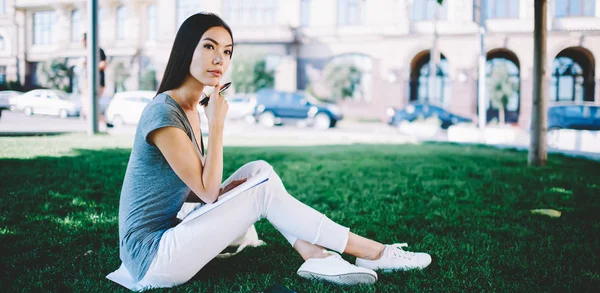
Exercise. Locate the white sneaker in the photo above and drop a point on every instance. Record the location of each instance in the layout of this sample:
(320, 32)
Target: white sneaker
(394, 258)
(336, 270)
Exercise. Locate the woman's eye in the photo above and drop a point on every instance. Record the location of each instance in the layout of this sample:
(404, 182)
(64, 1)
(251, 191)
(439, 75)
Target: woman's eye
(228, 52)
(209, 46)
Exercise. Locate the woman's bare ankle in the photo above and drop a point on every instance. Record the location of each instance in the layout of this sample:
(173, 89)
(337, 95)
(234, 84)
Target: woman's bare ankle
(376, 253)
(319, 254)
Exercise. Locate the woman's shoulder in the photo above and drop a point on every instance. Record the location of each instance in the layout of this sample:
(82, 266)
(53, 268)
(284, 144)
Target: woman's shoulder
(161, 104)
(161, 109)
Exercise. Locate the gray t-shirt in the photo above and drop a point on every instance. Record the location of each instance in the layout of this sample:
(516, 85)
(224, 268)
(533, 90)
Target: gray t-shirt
(152, 194)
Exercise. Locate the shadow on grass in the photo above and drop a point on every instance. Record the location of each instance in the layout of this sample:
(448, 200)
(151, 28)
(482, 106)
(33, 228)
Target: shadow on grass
(467, 206)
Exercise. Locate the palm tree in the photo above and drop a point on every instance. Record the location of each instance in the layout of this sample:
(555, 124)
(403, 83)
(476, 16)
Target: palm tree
(344, 80)
(501, 89)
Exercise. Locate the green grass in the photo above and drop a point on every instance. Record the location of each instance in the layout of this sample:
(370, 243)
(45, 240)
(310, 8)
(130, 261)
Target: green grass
(469, 207)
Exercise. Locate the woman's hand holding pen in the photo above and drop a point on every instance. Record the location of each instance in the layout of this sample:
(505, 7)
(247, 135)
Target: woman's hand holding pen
(216, 110)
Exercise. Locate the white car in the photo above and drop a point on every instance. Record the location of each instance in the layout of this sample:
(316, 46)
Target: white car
(241, 106)
(46, 102)
(127, 107)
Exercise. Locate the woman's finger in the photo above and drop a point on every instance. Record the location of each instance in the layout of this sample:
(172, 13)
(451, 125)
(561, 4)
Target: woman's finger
(216, 90)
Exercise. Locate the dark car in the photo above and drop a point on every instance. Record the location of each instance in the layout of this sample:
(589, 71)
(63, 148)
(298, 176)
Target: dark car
(418, 110)
(569, 115)
(278, 107)
(584, 116)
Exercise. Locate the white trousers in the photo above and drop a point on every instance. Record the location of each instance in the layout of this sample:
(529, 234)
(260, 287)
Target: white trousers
(186, 248)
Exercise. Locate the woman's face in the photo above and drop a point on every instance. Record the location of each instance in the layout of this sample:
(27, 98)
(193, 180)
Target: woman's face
(212, 56)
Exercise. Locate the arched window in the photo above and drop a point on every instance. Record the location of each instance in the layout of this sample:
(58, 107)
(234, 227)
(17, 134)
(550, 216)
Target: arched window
(503, 88)
(423, 89)
(567, 80)
(572, 76)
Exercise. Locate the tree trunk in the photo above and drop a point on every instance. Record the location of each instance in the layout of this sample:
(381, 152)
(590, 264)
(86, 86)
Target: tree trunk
(537, 147)
(501, 117)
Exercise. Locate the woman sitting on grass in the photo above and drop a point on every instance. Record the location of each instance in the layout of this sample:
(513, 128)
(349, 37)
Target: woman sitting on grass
(168, 167)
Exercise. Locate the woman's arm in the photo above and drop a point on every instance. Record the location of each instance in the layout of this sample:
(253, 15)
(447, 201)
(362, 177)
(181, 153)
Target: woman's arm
(179, 152)
(181, 155)
(214, 161)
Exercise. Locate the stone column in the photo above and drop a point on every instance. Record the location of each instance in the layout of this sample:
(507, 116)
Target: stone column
(463, 101)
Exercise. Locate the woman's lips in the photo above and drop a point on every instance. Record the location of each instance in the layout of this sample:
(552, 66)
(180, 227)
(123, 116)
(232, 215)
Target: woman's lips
(215, 73)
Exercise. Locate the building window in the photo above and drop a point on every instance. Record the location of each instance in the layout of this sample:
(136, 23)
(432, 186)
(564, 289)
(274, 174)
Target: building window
(258, 12)
(43, 27)
(503, 9)
(420, 88)
(348, 76)
(502, 90)
(151, 34)
(426, 10)
(121, 22)
(350, 12)
(186, 8)
(76, 34)
(567, 80)
(570, 8)
(2, 6)
(305, 12)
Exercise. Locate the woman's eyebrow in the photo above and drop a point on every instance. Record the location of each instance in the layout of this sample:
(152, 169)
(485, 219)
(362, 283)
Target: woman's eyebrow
(217, 43)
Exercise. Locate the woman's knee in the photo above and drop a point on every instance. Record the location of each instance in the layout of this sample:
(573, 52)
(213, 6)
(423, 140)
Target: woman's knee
(259, 166)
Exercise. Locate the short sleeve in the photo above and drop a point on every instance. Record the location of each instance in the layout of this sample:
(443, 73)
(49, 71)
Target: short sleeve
(159, 115)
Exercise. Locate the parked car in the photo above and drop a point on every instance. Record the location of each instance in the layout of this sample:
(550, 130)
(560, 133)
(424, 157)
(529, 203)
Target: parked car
(127, 107)
(241, 106)
(415, 111)
(277, 107)
(5, 97)
(571, 115)
(579, 116)
(46, 102)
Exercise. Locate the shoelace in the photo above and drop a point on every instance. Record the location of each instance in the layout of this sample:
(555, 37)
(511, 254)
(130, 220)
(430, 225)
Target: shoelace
(333, 254)
(399, 252)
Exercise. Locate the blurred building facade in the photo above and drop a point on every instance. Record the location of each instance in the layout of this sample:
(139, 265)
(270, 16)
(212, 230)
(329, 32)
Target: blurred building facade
(388, 41)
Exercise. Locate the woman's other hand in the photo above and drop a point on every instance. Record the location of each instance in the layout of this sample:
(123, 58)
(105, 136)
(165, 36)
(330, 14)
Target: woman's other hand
(233, 184)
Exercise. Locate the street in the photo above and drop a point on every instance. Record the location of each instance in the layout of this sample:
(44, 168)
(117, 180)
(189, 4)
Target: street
(242, 133)
(237, 132)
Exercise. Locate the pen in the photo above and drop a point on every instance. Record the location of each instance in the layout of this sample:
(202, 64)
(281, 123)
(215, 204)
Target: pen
(204, 101)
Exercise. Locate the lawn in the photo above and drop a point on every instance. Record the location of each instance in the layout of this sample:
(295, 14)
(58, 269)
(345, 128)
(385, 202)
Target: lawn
(469, 207)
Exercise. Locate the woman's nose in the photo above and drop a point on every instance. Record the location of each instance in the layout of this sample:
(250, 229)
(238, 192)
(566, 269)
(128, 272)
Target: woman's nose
(218, 59)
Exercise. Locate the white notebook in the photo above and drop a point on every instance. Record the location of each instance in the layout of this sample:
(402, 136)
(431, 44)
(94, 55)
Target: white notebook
(122, 276)
(257, 179)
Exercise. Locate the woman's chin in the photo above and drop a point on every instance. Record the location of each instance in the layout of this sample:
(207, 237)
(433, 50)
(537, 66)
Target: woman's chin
(211, 81)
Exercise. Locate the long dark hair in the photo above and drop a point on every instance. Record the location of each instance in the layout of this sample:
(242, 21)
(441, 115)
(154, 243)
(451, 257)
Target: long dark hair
(186, 41)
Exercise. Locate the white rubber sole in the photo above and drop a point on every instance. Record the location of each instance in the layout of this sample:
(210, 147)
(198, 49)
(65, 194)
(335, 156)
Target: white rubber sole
(349, 279)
